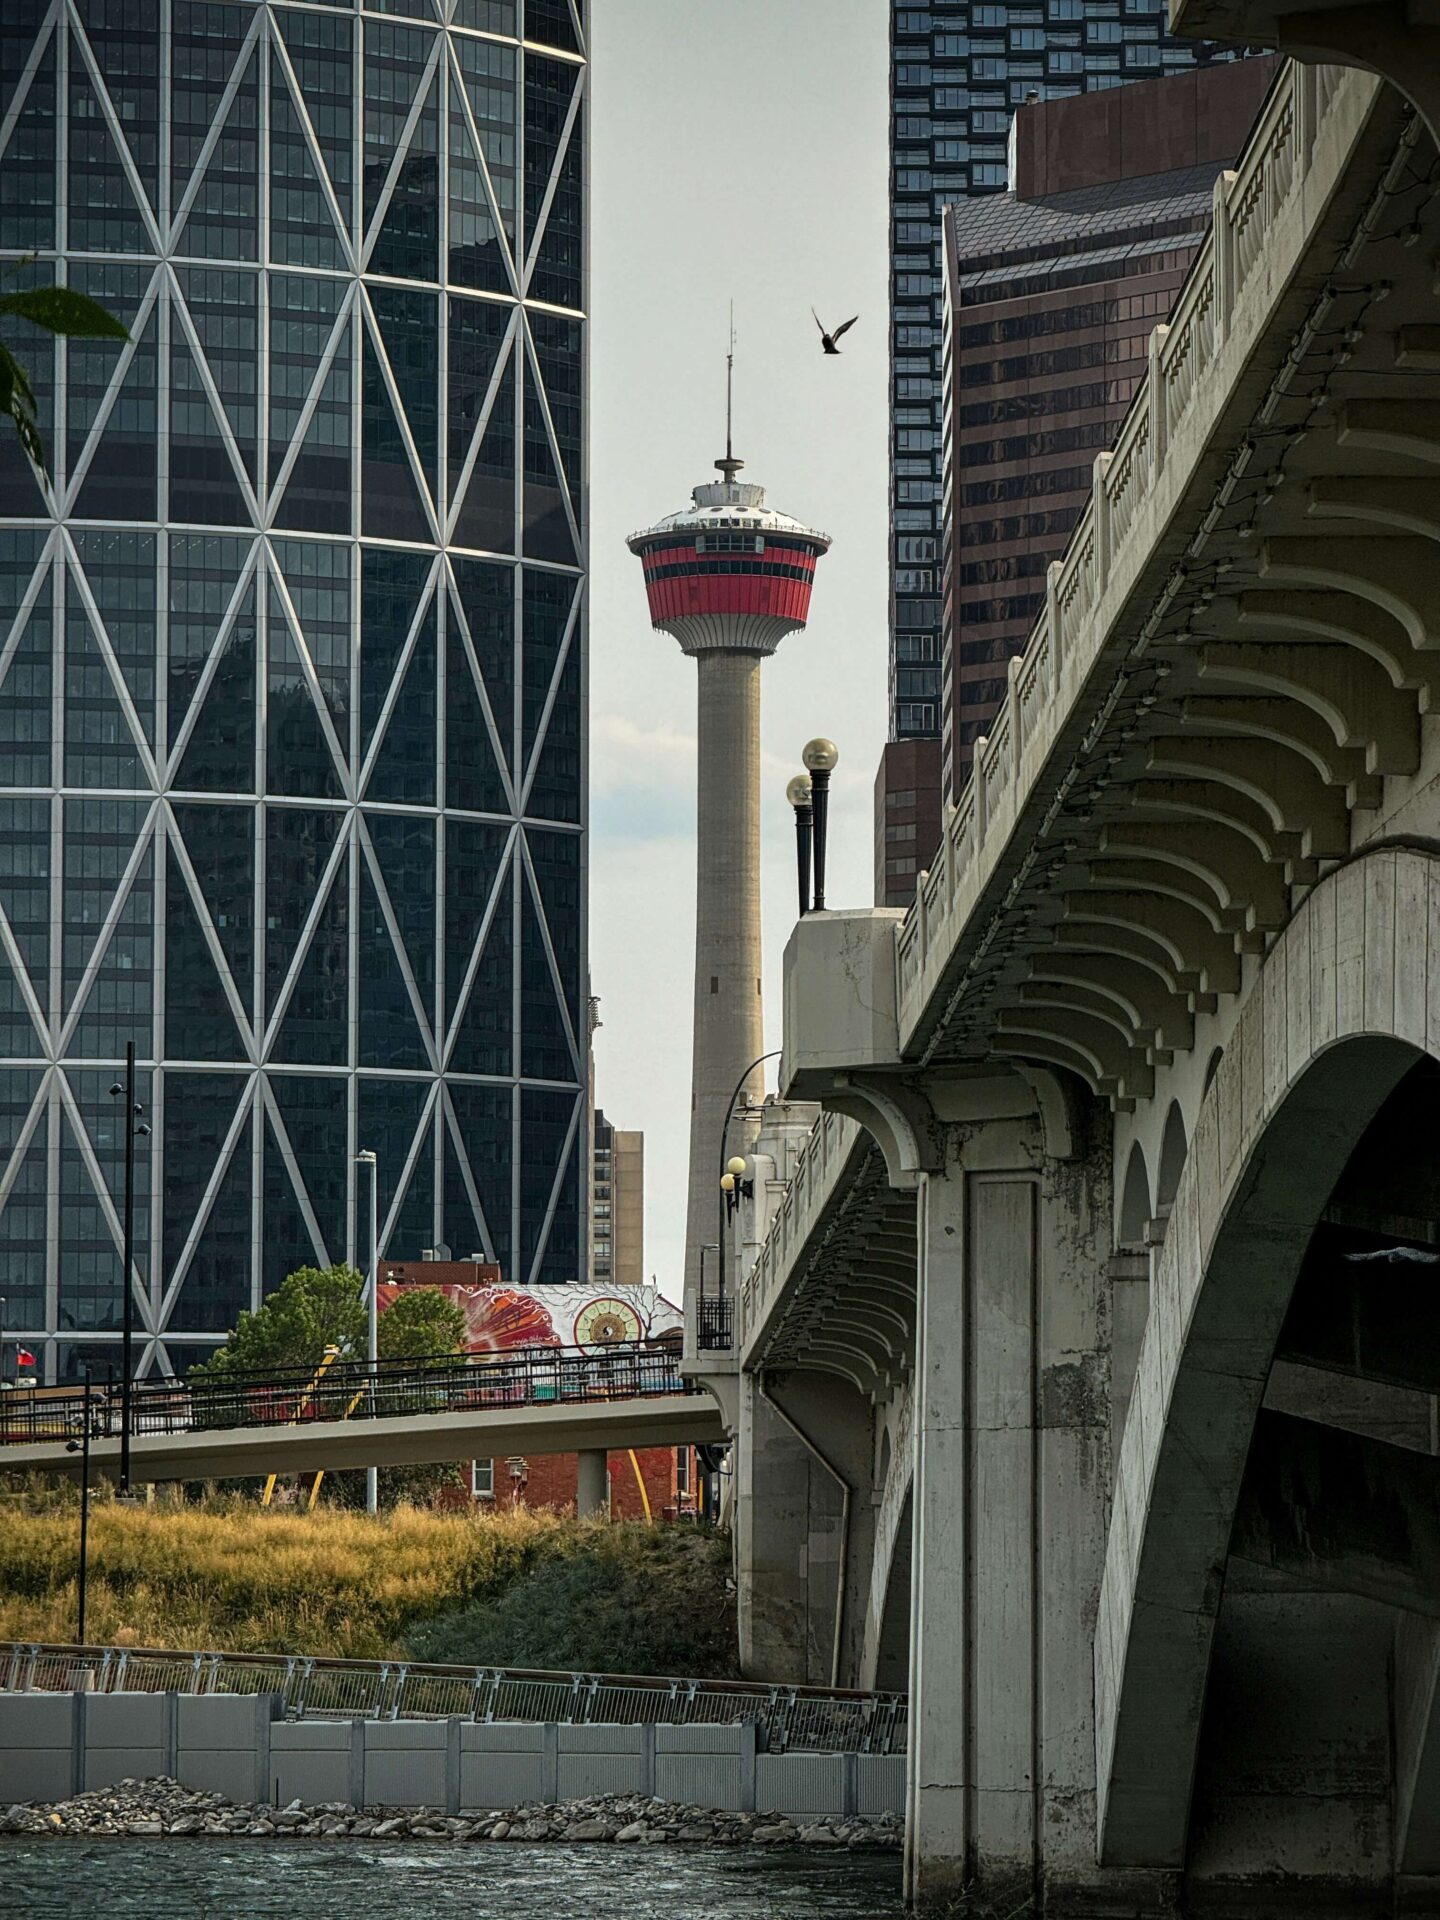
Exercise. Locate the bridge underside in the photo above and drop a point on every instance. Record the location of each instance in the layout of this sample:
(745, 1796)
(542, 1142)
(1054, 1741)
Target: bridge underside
(669, 1420)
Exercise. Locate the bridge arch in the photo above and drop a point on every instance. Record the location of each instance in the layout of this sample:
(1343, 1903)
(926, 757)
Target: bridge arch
(887, 1662)
(1346, 1002)
(1135, 1207)
(1173, 1148)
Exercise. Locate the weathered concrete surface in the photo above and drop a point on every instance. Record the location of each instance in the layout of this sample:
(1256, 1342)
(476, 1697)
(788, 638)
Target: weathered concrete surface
(836, 1423)
(1288, 1105)
(592, 1483)
(789, 1528)
(1292, 1808)
(1011, 1434)
(1340, 1511)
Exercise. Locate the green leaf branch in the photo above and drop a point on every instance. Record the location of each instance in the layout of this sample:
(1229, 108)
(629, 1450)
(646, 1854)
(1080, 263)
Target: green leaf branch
(58, 310)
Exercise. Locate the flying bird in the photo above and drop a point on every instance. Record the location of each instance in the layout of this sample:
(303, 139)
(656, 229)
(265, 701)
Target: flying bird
(827, 340)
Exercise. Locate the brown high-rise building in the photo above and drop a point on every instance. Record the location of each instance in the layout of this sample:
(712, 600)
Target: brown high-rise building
(907, 817)
(1052, 290)
(617, 1207)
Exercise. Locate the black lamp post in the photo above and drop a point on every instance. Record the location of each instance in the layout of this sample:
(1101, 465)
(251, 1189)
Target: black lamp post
(726, 1205)
(133, 1110)
(82, 1447)
(821, 757)
(798, 793)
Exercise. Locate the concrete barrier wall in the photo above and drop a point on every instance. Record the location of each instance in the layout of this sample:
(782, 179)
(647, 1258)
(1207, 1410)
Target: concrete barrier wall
(55, 1744)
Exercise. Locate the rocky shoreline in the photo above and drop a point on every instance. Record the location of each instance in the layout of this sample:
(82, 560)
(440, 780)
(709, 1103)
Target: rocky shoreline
(159, 1808)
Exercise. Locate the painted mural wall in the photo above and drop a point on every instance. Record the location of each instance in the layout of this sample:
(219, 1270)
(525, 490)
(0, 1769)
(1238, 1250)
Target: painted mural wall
(498, 1318)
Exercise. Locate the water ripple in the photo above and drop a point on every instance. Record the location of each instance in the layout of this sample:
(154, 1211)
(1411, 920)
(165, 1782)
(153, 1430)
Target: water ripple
(123, 1879)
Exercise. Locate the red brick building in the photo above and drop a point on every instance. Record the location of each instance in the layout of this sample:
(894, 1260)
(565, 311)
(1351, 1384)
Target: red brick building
(668, 1475)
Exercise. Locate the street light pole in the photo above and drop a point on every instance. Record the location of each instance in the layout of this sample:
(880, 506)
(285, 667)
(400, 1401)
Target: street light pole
(821, 757)
(724, 1139)
(800, 794)
(127, 1297)
(365, 1158)
(83, 1448)
(133, 1128)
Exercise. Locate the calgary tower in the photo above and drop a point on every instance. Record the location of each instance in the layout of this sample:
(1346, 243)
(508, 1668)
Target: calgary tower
(729, 577)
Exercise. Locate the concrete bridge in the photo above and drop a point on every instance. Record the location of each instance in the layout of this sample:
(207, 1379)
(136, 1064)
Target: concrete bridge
(532, 1400)
(1087, 1351)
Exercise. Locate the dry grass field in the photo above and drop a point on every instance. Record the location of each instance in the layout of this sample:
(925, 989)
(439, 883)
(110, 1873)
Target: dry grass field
(230, 1575)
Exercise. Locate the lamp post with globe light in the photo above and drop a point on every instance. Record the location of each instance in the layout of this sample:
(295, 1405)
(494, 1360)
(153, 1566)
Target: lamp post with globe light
(821, 757)
(800, 795)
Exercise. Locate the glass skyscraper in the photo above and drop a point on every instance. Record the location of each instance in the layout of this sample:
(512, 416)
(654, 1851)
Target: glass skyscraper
(958, 72)
(292, 669)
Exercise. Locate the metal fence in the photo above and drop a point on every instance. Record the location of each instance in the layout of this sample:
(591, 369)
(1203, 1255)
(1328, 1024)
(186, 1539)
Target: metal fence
(349, 1390)
(715, 1323)
(791, 1719)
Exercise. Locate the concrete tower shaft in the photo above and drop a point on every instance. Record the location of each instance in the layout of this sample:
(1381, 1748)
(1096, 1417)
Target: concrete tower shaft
(729, 1009)
(729, 578)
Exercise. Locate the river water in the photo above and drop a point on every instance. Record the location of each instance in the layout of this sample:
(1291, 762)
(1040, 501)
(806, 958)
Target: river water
(207, 1879)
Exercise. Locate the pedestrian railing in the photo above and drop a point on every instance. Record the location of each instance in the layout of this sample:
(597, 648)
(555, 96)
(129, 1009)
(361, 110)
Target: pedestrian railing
(790, 1719)
(353, 1390)
(715, 1323)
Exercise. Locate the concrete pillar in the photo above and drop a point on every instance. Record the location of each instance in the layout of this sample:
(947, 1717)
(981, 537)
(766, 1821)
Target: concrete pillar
(592, 1484)
(1416, 1697)
(937, 1837)
(729, 1023)
(836, 1423)
(789, 1519)
(1011, 1435)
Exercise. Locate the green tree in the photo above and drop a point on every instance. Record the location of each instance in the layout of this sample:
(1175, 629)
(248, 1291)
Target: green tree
(312, 1309)
(421, 1323)
(57, 310)
(316, 1308)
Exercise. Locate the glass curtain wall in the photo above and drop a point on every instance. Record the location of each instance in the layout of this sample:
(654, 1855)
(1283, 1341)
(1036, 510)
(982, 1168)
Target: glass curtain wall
(291, 652)
(958, 72)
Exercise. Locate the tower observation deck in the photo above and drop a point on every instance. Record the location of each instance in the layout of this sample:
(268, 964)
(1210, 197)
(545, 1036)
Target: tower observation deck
(729, 577)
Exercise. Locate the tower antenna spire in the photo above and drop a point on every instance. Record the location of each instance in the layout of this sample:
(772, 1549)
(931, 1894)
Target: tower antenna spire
(730, 466)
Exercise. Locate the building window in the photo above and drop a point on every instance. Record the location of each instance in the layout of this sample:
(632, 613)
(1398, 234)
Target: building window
(682, 1470)
(482, 1479)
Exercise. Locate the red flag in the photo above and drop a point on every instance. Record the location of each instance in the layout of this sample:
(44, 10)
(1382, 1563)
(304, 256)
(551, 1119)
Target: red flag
(24, 1357)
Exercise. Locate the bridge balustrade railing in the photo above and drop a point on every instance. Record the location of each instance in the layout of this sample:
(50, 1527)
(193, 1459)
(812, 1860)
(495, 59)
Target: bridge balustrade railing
(1068, 636)
(810, 1187)
(349, 1390)
(792, 1719)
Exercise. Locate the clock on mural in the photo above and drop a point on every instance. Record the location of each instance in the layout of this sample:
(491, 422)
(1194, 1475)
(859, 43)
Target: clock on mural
(606, 1323)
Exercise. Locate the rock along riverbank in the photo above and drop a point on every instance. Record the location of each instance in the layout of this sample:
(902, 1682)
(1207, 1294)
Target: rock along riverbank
(154, 1808)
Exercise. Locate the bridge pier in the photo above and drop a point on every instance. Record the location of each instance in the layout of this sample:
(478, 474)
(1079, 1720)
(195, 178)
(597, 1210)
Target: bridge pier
(1010, 1445)
(790, 1517)
(592, 1483)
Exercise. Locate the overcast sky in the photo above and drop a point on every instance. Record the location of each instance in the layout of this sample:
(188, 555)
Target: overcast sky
(738, 151)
